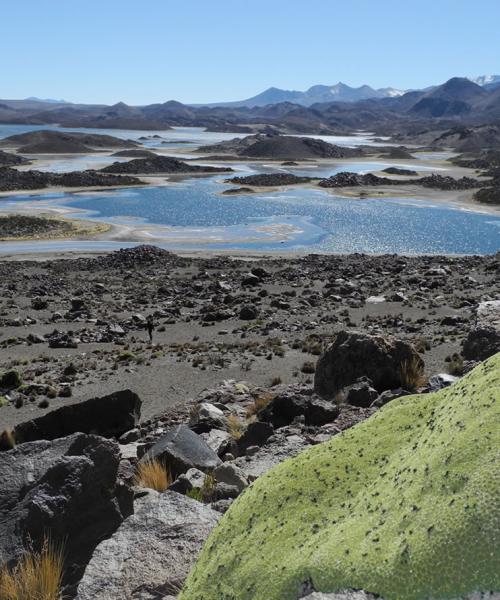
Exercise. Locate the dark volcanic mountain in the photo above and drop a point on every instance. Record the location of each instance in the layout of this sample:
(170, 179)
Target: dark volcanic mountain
(53, 142)
(281, 147)
(340, 92)
(160, 164)
(456, 97)
(9, 160)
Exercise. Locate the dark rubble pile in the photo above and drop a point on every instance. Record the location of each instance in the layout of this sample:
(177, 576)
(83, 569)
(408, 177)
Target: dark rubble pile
(12, 179)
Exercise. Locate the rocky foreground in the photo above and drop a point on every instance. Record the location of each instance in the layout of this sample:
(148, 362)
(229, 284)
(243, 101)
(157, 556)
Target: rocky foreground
(252, 362)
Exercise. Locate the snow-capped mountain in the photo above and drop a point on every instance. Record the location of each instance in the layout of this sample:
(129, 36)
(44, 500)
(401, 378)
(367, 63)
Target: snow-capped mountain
(487, 81)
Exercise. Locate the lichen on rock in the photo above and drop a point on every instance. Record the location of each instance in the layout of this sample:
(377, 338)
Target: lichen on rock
(403, 505)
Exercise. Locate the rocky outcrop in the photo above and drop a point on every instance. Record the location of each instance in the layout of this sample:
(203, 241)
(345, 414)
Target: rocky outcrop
(108, 416)
(12, 179)
(160, 164)
(53, 142)
(481, 343)
(399, 171)
(282, 147)
(65, 489)
(348, 179)
(9, 160)
(353, 355)
(441, 182)
(152, 551)
(269, 179)
(294, 402)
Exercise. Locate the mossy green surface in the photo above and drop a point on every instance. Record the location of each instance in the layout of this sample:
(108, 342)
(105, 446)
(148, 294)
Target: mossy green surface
(405, 504)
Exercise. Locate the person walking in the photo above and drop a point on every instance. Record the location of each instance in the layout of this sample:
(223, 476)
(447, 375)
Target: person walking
(150, 327)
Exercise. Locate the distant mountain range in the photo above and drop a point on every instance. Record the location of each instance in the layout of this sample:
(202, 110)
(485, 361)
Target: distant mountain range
(46, 100)
(323, 110)
(340, 92)
(487, 81)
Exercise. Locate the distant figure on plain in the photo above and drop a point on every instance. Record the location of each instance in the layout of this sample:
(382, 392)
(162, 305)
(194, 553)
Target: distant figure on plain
(150, 327)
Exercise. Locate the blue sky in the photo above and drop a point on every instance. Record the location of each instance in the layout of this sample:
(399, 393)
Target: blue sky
(145, 51)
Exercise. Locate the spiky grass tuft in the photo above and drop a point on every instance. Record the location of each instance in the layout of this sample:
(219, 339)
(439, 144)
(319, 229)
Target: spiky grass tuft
(235, 426)
(411, 373)
(37, 576)
(153, 474)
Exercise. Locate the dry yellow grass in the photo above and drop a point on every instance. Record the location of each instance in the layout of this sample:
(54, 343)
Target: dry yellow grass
(412, 374)
(37, 576)
(235, 426)
(260, 402)
(153, 474)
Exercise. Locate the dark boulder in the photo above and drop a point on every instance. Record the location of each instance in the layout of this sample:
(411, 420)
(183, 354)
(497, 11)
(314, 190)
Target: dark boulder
(481, 343)
(65, 489)
(320, 412)
(255, 434)
(248, 312)
(109, 416)
(283, 408)
(360, 393)
(182, 449)
(353, 355)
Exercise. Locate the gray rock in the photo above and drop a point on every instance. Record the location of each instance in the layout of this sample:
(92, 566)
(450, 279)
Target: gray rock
(217, 439)
(222, 506)
(64, 488)
(108, 416)
(389, 396)
(182, 449)
(232, 475)
(194, 478)
(441, 380)
(130, 436)
(481, 343)
(353, 355)
(151, 552)
(277, 449)
(208, 417)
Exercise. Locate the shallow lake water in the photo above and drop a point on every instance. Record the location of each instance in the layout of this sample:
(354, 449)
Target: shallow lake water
(192, 214)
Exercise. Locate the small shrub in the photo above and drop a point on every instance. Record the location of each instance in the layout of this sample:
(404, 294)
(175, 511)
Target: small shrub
(275, 381)
(208, 487)
(153, 474)
(7, 441)
(308, 367)
(126, 355)
(234, 426)
(10, 379)
(195, 494)
(422, 345)
(259, 403)
(37, 576)
(411, 373)
(206, 492)
(455, 365)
